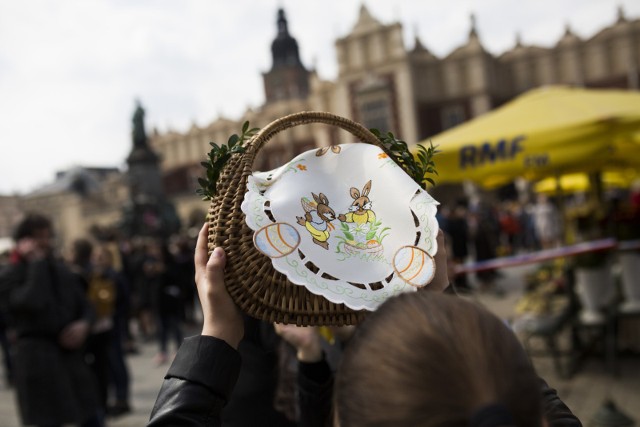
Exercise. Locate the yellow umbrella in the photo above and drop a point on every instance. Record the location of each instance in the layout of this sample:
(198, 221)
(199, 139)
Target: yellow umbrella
(579, 182)
(544, 132)
(626, 151)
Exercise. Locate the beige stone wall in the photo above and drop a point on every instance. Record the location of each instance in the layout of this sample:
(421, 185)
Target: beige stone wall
(191, 210)
(10, 214)
(406, 104)
(65, 211)
(610, 54)
(74, 215)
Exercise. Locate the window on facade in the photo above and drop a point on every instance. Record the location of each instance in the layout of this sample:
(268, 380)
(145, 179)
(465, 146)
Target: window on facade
(278, 88)
(376, 114)
(452, 116)
(193, 174)
(375, 103)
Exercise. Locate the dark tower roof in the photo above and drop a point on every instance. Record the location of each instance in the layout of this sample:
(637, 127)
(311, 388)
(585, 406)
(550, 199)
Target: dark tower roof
(288, 78)
(284, 48)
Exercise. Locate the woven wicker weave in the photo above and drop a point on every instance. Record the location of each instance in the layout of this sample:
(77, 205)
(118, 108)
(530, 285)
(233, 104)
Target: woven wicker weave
(256, 287)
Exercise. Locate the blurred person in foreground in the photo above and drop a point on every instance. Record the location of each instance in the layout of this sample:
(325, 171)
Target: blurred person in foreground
(479, 376)
(428, 359)
(52, 318)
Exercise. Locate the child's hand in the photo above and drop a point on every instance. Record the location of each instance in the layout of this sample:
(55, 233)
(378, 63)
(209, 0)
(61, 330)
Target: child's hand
(222, 318)
(306, 341)
(74, 335)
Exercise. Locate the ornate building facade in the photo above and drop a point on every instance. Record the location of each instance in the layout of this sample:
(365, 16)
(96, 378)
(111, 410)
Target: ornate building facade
(383, 84)
(380, 83)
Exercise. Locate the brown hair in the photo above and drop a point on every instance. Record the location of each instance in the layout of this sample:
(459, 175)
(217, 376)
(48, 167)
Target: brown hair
(30, 224)
(428, 359)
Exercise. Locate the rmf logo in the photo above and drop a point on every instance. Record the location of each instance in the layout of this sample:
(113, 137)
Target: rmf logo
(472, 156)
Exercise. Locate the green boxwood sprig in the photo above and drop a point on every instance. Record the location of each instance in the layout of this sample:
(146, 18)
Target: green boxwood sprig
(418, 168)
(218, 158)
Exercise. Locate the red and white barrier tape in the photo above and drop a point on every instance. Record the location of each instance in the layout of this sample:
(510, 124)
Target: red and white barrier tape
(548, 254)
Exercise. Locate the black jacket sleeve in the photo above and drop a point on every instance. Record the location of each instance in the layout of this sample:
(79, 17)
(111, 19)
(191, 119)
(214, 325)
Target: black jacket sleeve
(315, 387)
(198, 384)
(554, 410)
(27, 280)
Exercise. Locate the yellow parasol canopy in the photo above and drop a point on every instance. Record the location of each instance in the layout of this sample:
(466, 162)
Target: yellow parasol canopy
(545, 132)
(579, 182)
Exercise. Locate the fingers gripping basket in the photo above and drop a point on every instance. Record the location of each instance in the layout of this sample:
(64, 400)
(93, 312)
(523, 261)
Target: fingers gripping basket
(255, 280)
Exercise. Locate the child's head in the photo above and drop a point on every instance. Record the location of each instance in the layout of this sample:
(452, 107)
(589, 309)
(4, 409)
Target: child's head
(427, 359)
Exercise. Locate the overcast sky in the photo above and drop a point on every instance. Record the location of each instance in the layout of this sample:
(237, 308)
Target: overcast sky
(70, 70)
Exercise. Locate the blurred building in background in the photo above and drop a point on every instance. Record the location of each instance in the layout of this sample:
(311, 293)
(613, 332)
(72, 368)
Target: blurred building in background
(381, 83)
(101, 202)
(78, 200)
(11, 215)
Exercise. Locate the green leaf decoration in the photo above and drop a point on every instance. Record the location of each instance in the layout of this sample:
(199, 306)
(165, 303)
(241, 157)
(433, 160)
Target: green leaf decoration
(418, 166)
(348, 235)
(233, 140)
(218, 157)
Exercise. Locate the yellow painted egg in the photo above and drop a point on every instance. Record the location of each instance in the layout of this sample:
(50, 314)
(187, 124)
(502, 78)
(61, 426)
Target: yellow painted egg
(276, 240)
(414, 265)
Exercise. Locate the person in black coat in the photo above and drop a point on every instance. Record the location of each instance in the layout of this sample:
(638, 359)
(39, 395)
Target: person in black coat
(6, 349)
(458, 232)
(259, 379)
(51, 318)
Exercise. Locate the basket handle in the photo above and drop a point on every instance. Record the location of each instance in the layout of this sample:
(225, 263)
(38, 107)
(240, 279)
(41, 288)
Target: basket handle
(305, 117)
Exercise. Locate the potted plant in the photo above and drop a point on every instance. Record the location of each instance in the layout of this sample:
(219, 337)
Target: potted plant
(626, 222)
(594, 281)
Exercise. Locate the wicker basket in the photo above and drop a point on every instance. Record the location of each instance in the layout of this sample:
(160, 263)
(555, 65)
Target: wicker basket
(253, 283)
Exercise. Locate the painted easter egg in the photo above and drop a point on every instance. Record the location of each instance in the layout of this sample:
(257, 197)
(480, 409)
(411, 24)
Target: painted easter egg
(414, 265)
(276, 240)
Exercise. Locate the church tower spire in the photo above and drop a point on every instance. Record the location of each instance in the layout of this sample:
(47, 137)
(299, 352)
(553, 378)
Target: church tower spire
(288, 77)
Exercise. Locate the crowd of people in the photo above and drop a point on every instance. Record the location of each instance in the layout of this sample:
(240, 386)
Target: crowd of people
(67, 321)
(484, 231)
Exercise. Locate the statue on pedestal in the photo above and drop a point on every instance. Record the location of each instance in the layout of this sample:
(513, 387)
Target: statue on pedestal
(148, 212)
(139, 134)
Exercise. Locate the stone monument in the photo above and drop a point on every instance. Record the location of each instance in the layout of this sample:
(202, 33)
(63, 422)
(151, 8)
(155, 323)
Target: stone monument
(148, 213)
